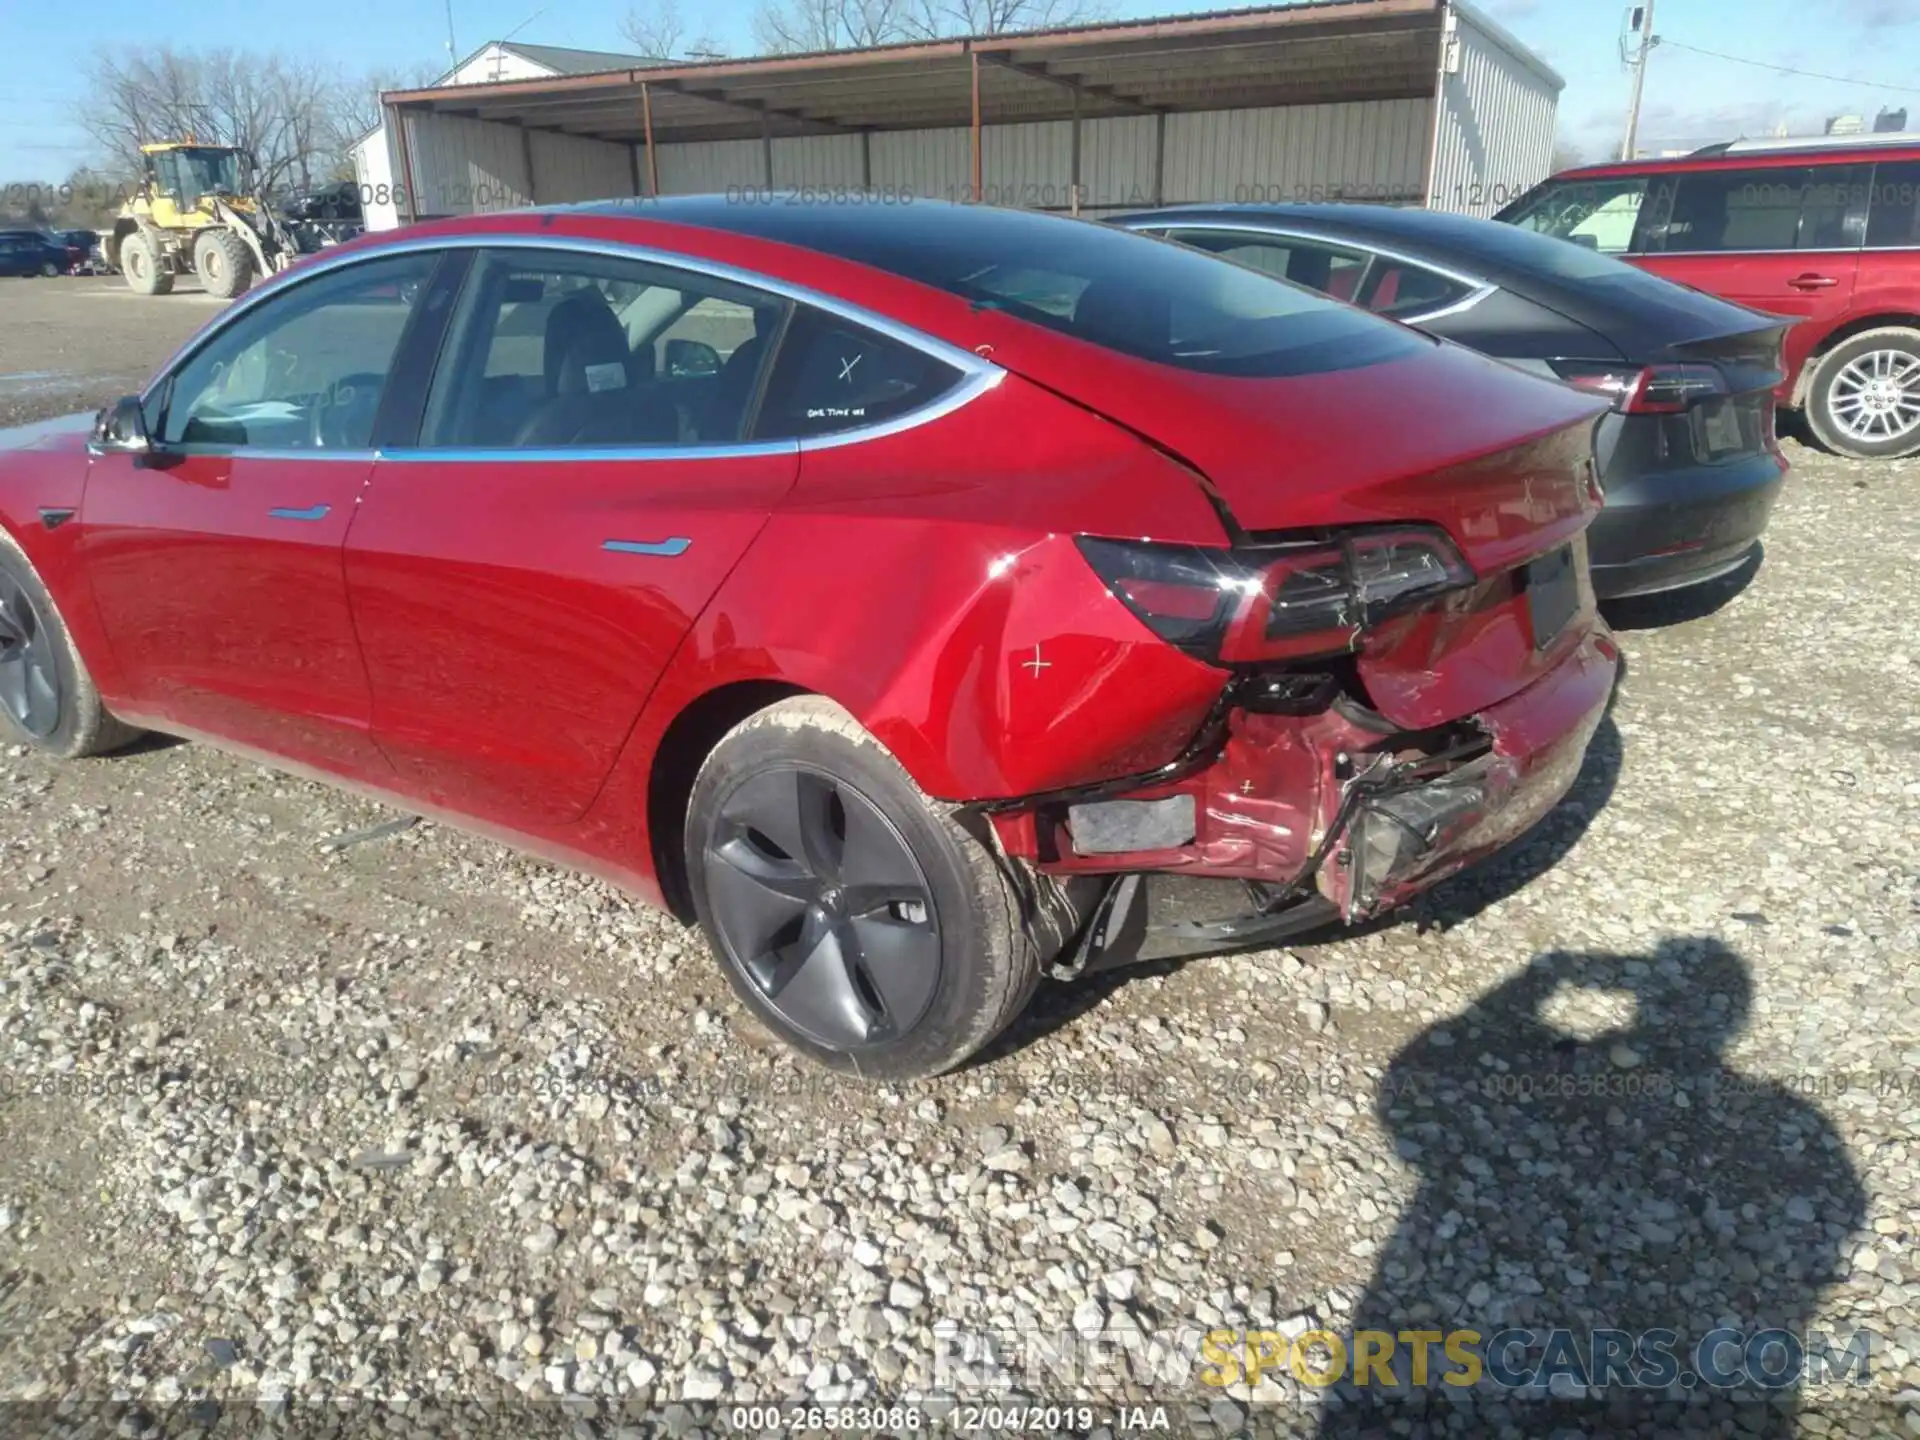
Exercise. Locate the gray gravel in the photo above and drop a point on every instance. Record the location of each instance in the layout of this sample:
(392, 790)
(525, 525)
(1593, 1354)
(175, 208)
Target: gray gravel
(421, 1121)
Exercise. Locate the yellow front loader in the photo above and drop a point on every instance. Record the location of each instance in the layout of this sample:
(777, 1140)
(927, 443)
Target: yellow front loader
(197, 211)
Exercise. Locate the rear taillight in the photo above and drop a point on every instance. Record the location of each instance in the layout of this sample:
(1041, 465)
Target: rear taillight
(1282, 602)
(1644, 389)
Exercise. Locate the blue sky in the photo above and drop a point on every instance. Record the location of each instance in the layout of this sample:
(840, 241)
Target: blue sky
(1874, 45)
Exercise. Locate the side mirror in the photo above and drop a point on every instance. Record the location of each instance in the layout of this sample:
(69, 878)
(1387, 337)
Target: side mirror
(122, 428)
(691, 357)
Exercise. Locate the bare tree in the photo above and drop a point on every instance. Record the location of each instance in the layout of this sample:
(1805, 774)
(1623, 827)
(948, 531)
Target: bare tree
(1566, 155)
(931, 19)
(795, 26)
(297, 118)
(658, 32)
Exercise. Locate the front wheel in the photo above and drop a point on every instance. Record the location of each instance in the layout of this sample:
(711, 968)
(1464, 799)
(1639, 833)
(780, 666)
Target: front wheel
(1863, 400)
(47, 698)
(221, 259)
(852, 914)
(140, 262)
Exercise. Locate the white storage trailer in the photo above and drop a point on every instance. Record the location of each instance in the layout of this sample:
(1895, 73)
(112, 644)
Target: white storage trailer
(1396, 101)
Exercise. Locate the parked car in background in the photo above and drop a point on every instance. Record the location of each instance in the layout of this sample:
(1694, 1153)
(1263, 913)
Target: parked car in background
(788, 565)
(324, 217)
(1825, 231)
(1687, 456)
(83, 250)
(31, 252)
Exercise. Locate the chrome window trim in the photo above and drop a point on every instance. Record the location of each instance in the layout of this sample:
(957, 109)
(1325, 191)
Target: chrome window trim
(977, 374)
(241, 452)
(1478, 287)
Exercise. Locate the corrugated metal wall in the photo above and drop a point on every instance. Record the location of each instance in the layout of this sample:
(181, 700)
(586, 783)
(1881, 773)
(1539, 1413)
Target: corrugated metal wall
(572, 167)
(1494, 138)
(817, 162)
(710, 165)
(1355, 150)
(465, 167)
(1497, 114)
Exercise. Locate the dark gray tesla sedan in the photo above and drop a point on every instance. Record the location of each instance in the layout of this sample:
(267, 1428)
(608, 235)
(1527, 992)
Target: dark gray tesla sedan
(1688, 457)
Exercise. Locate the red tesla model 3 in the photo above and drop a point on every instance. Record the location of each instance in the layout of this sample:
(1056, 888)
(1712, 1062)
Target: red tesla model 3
(890, 587)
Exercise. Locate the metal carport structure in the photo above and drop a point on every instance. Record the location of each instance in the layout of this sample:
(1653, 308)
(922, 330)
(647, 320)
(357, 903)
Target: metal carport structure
(1408, 101)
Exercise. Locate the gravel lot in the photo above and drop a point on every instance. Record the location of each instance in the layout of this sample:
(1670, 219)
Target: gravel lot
(417, 1120)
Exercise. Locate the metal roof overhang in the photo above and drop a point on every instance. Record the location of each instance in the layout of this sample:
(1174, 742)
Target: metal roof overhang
(1324, 50)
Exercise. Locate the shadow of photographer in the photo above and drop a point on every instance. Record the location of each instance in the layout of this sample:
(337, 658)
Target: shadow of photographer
(1581, 1171)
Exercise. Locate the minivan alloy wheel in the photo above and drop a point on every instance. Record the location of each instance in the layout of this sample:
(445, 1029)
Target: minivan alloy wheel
(29, 675)
(1876, 396)
(821, 903)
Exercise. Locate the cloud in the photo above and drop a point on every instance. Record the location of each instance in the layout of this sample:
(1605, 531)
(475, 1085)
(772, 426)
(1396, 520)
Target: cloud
(1685, 127)
(1878, 13)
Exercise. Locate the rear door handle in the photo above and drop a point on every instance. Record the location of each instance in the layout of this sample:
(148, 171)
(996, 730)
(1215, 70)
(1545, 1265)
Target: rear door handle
(312, 512)
(1813, 282)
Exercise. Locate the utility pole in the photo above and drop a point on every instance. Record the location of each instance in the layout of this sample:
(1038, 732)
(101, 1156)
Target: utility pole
(1639, 18)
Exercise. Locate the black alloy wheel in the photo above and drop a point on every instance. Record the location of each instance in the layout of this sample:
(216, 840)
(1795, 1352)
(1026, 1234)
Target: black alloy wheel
(29, 672)
(821, 904)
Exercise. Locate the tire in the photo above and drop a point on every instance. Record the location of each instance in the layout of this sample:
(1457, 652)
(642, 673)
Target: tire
(49, 270)
(37, 655)
(140, 263)
(934, 1002)
(223, 263)
(1853, 383)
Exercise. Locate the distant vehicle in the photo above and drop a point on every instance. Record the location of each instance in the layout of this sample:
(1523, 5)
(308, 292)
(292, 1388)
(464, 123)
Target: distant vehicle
(1825, 231)
(31, 252)
(1688, 459)
(198, 210)
(328, 216)
(83, 250)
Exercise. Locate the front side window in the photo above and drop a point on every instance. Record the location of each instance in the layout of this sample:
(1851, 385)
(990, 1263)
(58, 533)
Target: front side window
(302, 370)
(1598, 214)
(832, 375)
(557, 349)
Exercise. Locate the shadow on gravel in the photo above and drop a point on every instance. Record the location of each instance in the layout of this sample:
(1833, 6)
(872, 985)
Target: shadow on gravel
(1694, 602)
(1629, 1181)
(1452, 902)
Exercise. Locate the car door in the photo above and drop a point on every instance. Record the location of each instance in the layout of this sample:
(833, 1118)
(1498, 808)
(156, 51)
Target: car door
(1783, 239)
(215, 559)
(522, 574)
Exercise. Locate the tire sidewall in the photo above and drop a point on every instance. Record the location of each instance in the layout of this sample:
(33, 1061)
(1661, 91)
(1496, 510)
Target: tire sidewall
(970, 942)
(1819, 412)
(66, 738)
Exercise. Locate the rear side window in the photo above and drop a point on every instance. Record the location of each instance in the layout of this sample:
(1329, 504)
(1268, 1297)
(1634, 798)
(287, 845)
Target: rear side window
(1766, 208)
(1330, 269)
(1401, 290)
(566, 350)
(831, 375)
(1894, 221)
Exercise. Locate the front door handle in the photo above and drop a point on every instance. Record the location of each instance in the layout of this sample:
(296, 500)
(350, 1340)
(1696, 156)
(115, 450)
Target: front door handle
(312, 512)
(671, 546)
(1813, 282)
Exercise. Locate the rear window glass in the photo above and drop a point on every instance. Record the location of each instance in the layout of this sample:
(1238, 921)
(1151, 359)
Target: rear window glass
(1144, 297)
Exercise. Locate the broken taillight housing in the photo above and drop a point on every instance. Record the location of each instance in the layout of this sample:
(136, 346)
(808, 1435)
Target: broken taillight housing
(1281, 602)
(1643, 389)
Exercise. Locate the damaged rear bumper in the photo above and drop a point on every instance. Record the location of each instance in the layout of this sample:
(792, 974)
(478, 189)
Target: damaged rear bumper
(1334, 814)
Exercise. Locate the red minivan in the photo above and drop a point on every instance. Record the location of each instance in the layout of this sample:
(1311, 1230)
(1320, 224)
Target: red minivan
(1825, 231)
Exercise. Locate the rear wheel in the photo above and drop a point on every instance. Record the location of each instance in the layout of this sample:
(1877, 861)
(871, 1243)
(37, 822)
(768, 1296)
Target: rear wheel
(140, 263)
(220, 258)
(49, 269)
(1863, 399)
(852, 914)
(47, 698)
